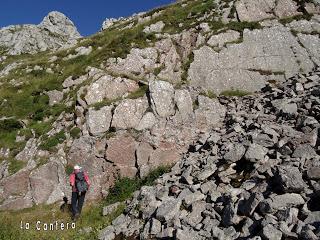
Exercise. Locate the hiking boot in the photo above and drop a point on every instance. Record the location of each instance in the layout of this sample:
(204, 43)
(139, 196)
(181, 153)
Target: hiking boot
(75, 217)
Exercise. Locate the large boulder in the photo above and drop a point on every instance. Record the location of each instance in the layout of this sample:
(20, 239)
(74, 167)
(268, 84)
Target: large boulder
(254, 10)
(15, 191)
(48, 183)
(286, 8)
(278, 202)
(99, 121)
(129, 113)
(108, 87)
(165, 155)
(55, 31)
(137, 63)
(121, 152)
(289, 179)
(161, 96)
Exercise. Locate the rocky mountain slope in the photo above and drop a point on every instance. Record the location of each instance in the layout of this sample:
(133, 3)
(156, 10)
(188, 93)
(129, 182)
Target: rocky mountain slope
(55, 31)
(239, 77)
(256, 176)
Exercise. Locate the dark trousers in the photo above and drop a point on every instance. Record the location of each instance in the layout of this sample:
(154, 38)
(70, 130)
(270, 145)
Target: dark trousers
(77, 201)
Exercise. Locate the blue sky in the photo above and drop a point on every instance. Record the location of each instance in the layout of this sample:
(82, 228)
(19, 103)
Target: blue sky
(87, 15)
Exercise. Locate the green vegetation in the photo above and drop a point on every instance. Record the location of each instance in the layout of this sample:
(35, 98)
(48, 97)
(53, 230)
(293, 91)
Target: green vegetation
(69, 169)
(41, 161)
(185, 68)
(75, 132)
(287, 20)
(10, 124)
(51, 142)
(234, 93)
(124, 188)
(139, 93)
(15, 166)
(91, 217)
(177, 18)
(103, 103)
(3, 50)
(209, 94)
(240, 26)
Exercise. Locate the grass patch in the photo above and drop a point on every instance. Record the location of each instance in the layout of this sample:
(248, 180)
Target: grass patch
(234, 93)
(125, 187)
(15, 166)
(75, 132)
(40, 128)
(91, 217)
(139, 93)
(69, 169)
(288, 20)
(53, 141)
(11, 124)
(209, 94)
(106, 102)
(240, 26)
(185, 68)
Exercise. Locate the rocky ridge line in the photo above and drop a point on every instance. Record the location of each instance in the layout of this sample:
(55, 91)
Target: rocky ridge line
(55, 31)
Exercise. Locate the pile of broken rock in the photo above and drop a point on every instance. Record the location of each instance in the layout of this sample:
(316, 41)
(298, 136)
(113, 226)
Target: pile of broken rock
(256, 177)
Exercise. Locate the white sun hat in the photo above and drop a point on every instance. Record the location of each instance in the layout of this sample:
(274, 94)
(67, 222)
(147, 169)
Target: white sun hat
(76, 167)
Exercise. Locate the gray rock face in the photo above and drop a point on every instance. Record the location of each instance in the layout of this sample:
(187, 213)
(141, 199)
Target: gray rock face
(223, 38)
(162, 96)
(98, 121)
(48, 183)
(286, 8)
(129, 113)
(108, 87)
(121, 152)
(241, 66)
(137, 62)
(310, 42)
(147, 121)
(313, 218)
(107, 233)
(55, 31)
(253, 11)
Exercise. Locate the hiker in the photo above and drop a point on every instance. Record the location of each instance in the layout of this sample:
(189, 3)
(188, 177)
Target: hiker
(80, 183)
